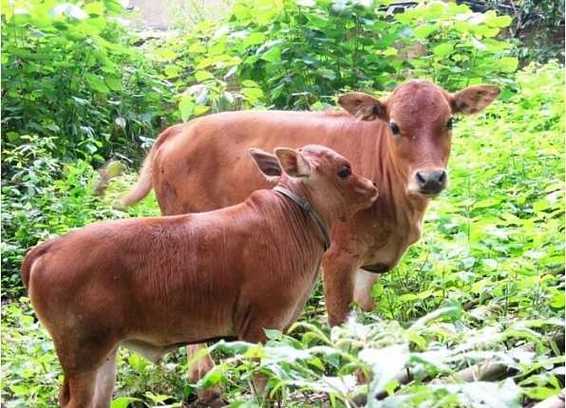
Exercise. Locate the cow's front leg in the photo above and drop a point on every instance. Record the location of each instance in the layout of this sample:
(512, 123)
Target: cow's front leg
(338, 276)
(363, 284)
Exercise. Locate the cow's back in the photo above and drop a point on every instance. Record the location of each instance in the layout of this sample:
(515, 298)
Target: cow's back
(206, 165)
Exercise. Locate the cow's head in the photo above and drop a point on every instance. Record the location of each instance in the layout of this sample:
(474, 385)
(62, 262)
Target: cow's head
(320, 174)
(419, 116)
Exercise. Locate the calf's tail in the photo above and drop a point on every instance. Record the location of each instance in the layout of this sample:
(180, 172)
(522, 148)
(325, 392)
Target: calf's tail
(32, 255)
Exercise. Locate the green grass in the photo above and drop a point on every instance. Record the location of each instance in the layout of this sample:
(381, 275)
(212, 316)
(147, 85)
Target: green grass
(486, 282)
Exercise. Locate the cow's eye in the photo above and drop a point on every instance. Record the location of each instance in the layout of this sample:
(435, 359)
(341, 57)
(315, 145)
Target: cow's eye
(344, 172)
(450, 123)
(394, 128)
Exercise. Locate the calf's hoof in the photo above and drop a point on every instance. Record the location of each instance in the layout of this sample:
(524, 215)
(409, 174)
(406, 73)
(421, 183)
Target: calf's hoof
(210, 398)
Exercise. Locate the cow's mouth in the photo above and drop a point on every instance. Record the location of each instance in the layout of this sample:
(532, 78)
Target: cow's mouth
(430, 193)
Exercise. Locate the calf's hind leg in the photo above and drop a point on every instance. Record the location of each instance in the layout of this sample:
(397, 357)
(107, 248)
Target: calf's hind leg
(199, 365)
(83, 367)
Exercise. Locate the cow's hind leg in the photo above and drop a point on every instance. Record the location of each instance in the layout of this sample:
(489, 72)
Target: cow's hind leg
(105, 379)
(78, 390)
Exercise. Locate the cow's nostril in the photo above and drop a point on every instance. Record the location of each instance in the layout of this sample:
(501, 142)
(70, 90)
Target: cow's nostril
(420, 178)
(373, 182)
(442, 176)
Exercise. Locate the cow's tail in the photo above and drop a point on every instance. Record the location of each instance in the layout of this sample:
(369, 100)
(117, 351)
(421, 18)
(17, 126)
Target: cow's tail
(32, 256)
(144, 184)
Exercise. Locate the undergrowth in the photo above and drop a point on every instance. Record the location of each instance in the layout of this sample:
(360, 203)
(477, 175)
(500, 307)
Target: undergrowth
(484, 288)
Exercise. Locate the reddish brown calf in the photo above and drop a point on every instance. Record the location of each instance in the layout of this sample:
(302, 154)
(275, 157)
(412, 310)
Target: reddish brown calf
(154, 284)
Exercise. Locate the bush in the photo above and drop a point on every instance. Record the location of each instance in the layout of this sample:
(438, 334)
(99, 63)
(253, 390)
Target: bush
(69, 73)
(486, 281)
(300, 54)
(44, 197)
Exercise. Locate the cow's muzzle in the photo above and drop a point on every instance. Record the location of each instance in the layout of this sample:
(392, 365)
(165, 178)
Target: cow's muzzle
(431, 182)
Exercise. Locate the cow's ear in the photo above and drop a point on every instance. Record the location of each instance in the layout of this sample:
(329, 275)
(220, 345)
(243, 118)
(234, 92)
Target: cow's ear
(474, 99)
(293, 162)
(267, 163)
(363, 106)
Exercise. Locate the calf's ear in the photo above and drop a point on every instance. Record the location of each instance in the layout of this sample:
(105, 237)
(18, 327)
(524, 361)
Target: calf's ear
(267, 163)
(293, 162)
(363, 106)
(474, 99)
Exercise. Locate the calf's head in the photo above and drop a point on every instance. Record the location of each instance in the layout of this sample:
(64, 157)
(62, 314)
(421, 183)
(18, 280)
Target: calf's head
(419, 116)
(323, 176)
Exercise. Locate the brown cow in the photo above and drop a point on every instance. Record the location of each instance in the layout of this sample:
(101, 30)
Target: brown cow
(402, 144)
(154, 284)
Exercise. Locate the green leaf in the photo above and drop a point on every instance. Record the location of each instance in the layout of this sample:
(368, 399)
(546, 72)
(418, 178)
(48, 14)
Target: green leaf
(507, 64)
(390, 51)
(124, 402)
(442, 50)
(272, 55)
(557, 300)
(165, 54)
(96, 83)
(254, 39)
(212, 378)
(201, 76)
(172, 71)
(423, 31)
(186, 107)
(272, 334)
(248, 83)
(253, 95)
(95, 8)
(196, 48)
(113, 83)
(493, 20)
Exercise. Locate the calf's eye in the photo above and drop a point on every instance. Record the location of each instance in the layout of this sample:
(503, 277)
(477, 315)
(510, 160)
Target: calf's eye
(344, 172)
(450, 123)
(394, 128)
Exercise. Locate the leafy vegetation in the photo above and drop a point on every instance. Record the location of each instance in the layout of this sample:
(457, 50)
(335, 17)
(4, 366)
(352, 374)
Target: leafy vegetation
(328, 46)
(68, 73)
(484, 288)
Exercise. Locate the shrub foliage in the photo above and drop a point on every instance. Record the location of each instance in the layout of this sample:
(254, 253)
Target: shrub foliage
(485, 284)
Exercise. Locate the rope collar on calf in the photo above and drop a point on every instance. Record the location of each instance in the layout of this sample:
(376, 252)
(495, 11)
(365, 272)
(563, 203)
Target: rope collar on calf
(309, 212)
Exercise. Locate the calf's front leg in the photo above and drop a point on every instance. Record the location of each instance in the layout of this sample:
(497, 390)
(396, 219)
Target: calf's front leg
(363, 284)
